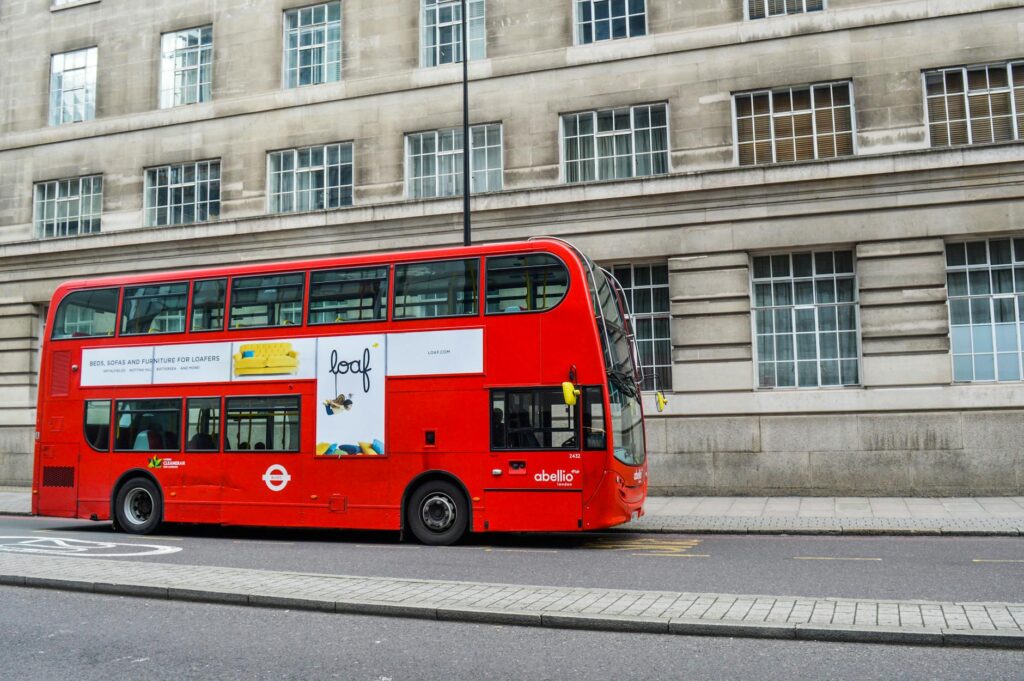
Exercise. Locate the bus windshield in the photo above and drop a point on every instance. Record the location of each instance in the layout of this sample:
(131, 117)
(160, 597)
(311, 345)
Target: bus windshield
(617, 353)
(627, 421)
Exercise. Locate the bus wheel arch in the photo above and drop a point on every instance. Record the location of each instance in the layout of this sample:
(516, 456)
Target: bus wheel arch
(440, 499)
(137, 502)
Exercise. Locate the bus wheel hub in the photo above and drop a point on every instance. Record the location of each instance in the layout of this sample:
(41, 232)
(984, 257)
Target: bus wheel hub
(438, 512)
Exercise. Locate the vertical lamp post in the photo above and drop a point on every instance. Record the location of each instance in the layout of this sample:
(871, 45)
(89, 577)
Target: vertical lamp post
(466, 226)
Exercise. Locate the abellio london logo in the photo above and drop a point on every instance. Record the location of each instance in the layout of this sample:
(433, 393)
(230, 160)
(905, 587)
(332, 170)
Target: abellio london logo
(559, 476)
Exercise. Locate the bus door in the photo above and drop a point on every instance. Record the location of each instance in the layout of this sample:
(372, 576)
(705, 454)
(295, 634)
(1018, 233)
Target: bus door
(264, 475)
(536, 464)
(202, 465)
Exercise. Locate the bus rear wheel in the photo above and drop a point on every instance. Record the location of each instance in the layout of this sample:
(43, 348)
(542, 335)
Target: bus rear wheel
(438, 514)
(138, 508)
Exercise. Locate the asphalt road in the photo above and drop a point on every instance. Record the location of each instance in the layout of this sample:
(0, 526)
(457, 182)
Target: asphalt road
(928, 568)
(65, 636)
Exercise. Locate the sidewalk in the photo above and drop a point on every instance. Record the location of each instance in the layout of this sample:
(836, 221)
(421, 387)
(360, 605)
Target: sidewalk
(986, 516)
(661, 612)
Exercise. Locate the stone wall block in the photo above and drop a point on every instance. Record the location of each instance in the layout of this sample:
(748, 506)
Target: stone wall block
(973, 473)
(892, 370)
(775, 473)
(656, 427)
(833, 433)
(904, 320)
(724, 283)
(713, 376)
(858, 473)
(897, 432)
(712, 330)
(726, 434)
(735, 259)
(901, 272)
(988, 430)
(16, 469)
(681, 473)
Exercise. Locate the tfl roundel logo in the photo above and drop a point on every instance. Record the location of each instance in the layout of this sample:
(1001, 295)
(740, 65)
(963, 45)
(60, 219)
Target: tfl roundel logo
(276, 477)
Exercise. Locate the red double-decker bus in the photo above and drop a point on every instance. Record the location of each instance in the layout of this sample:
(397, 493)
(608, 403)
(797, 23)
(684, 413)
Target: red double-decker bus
(485, 388)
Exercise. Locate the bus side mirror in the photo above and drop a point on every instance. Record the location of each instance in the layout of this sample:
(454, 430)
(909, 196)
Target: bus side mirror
(570, 393)
(660, 401)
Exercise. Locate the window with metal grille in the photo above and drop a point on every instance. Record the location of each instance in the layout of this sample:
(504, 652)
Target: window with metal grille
(759, 9)
(311, 178)
(442, 31)
(312, 45)
(73, 86)
(646, 289)
(182, 194)
(794, 124)
(186, 66)
(615, 144)
(975, 104)
(805, 320)
(68, 207)
(433, 161)
(985, 282)
(598, 20)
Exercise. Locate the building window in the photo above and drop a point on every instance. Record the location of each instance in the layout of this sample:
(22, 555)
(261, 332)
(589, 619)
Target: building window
(433, 161)
(794, 124)
(759, 9)
(186, 66)
(615, 144)
(805, 319)
(646, 289)
(442, 31)
(598, 20)
(312, 45)
(73, 86)
(976, 104)
(68, 207)
(182, 194)
(312, 178)
(985, 280)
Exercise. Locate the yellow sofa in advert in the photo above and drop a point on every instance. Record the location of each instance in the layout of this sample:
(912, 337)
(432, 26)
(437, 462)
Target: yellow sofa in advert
(265, 358)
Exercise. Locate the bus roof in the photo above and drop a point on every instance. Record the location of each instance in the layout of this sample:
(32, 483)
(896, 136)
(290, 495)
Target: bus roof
(555, 245)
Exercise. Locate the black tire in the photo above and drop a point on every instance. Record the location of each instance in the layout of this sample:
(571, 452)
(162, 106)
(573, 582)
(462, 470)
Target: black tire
(138, 508)
(438, 514)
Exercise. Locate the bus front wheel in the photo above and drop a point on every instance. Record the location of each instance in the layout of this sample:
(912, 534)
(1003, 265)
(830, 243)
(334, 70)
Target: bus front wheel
(438, 514)
(138, 508)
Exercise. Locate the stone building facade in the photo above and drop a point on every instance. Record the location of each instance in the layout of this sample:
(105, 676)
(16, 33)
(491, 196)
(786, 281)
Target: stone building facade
(815, 222)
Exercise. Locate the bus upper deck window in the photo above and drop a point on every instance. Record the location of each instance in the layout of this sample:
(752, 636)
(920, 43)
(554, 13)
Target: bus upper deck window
(86, 314)
(436, 289)
(350, 295)
(208, 305)
(525, 283)
(271, 300)
(154, 308)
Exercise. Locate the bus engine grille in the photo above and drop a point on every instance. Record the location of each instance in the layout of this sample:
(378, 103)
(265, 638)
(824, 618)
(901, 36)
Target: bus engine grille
(58, 476)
